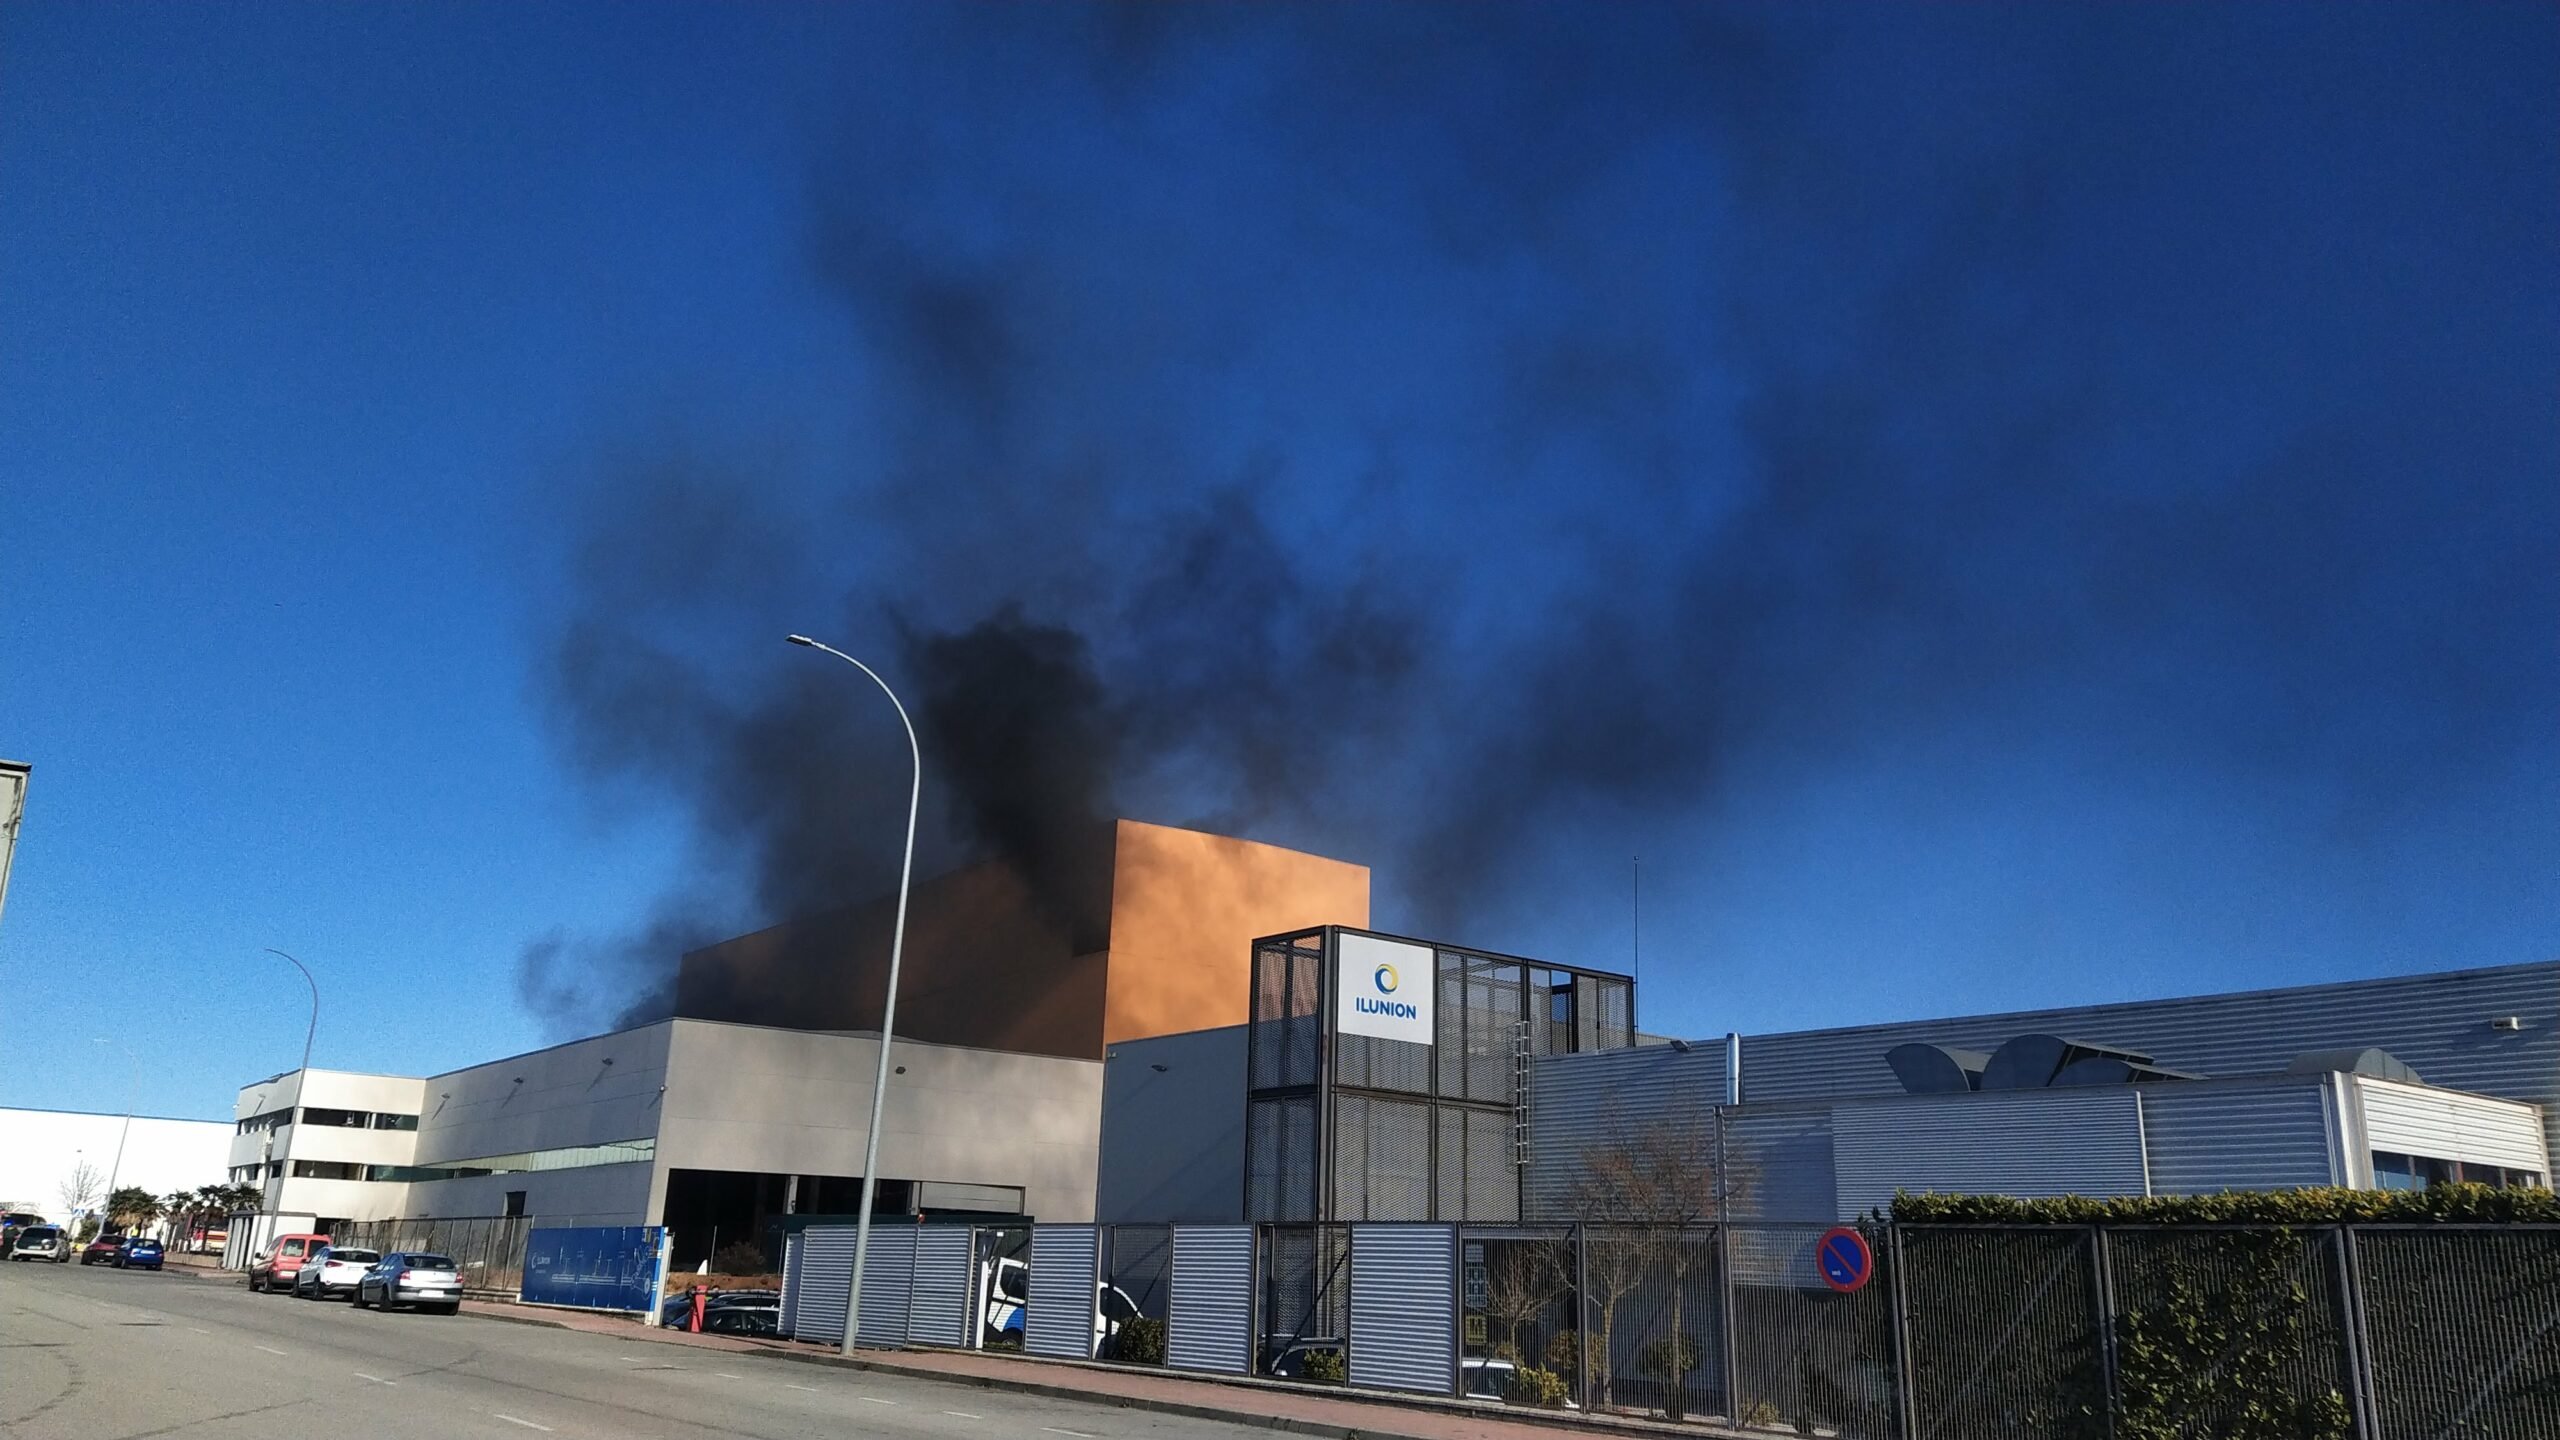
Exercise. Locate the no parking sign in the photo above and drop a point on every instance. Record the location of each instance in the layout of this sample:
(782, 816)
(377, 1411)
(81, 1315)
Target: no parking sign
(1844, 1258)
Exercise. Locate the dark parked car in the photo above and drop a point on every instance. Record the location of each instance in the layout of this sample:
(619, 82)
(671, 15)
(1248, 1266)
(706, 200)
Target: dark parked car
(411, 1277)
(139, 1252)
(679, 1308)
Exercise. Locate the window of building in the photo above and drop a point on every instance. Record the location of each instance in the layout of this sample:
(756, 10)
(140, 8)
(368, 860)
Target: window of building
(571, 1157)
(2394, 1171)
(394, 1122)
(326, 1170)
(515, 1203)
(260, 1124)
(341, 1119)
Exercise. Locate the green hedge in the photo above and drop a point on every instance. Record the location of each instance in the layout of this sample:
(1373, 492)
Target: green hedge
(2439, 1203)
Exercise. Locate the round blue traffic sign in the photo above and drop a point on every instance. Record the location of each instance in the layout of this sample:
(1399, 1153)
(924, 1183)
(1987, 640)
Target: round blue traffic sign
(1847, 1263)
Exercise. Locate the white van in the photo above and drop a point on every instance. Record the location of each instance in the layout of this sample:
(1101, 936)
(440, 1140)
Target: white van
(1007, 1285)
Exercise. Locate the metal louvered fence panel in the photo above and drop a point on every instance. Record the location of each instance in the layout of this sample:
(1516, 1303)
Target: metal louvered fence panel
(1404, 1332)
(938, 1292)
(790, 1281)
(1210, 1300)
(817, 1290)
(1059, 1321)
(888, 1277)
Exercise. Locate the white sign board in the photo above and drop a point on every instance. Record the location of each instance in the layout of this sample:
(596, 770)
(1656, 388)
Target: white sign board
(1382, 989)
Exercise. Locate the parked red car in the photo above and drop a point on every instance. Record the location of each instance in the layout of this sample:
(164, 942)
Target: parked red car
(103, 1248)
(275, 1267)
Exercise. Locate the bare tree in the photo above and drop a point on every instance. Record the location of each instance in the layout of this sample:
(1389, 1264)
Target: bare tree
(82, 1187)
(1523, 1280)
(1642, 1197)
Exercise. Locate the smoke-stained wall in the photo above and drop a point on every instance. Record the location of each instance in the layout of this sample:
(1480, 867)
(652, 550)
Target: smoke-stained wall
(1156, 940)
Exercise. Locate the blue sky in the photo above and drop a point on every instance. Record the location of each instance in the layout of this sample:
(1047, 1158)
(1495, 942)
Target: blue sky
(1997, 506)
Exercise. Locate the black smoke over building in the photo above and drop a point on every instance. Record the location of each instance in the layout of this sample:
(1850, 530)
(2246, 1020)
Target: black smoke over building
(1442, 437)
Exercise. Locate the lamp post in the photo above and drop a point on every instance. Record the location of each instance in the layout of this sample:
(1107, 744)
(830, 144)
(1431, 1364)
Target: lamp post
(132, 1097)
(888, 1007)
(314, 1027)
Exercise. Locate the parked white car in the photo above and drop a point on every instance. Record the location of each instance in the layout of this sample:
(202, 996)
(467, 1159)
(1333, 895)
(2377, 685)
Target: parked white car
(1007, 1286)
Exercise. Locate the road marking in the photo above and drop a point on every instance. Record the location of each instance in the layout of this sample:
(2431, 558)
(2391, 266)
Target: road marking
(874, 1400)
(376, 1379)
(270, 1349)
(723, 1374)
(963, 1414)
(199, 1329)
(812, 1389)
(1054, 1430)
(510, 1419)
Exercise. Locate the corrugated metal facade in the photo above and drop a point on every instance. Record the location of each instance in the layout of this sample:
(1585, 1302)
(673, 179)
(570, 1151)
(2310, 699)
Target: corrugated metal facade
(888, 1275)
(1211, 1300)
(816, 1295)
(1060, 1319)
(2030, 1144)
(1581, 1101)
(2209, 1138)
(938, 1297)
(1777, 1161)
(2439, 1024)
(2416, 1120)
(1404, 1322)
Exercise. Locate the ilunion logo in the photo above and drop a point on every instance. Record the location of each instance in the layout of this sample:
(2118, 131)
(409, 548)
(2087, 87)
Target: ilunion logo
(1386, 979)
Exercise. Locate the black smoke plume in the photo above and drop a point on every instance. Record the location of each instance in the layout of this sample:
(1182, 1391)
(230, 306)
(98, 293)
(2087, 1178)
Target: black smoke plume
(1443, 437)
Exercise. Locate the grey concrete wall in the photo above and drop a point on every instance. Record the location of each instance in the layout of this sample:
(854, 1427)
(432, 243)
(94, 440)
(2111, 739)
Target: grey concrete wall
(547, 1100)
(1173, 1130)
(755, 1099)
(593, 1195)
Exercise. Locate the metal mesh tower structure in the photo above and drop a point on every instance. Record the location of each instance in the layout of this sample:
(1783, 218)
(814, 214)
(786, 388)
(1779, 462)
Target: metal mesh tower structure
(1342, 1126)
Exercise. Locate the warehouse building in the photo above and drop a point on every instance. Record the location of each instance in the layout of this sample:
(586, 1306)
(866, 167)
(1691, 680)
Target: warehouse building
(2382, 1083)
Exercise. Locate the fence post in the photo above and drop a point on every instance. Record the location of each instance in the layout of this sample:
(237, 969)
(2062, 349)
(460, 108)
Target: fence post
(2360, 1380)
(2103, 1258)
(1724, 1303)
(1582, 1316)
(1906, 1390)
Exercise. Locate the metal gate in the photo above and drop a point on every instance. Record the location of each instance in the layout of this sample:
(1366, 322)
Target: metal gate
(888, 1277)
(1060, 1319)
(816, 1289)
(938, 1295)
(1404, 1302)
(1211, 1322)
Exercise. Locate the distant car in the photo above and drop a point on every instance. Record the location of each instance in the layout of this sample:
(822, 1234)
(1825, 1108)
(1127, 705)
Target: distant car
(275, 1267)
(138, 1252)
(41, 1242)
(411, 1277)
(103, 1248)
(331, 1272)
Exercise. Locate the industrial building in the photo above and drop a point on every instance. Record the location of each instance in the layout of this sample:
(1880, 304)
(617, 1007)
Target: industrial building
(752, 1104)
(57, 1163)
(2392, 1082)
(1147, 1046)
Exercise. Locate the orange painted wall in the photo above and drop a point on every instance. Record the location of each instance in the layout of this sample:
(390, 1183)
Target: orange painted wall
(1185, 910)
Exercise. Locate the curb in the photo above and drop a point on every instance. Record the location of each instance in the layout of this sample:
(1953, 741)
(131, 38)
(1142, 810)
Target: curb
(1185, 1409)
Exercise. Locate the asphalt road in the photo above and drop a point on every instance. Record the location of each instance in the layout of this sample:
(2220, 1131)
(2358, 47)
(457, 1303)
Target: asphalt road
(101, 1354)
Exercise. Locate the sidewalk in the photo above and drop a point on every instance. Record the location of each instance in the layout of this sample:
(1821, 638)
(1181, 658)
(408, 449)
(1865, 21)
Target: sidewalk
(1285, 1406)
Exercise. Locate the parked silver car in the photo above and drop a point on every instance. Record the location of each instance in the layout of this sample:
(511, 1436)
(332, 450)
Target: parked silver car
(41, 1242)
(332, 1272)
(411, 1277)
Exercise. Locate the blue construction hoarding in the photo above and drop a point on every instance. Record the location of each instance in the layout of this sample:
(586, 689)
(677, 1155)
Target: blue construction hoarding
(596, 1267)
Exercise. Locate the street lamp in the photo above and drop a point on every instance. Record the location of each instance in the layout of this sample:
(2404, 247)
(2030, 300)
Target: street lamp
(132, 1097)
(888, 1008)
(314, 1027)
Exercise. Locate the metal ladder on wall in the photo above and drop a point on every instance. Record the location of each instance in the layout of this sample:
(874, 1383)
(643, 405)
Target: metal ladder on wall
(1520, 1065)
